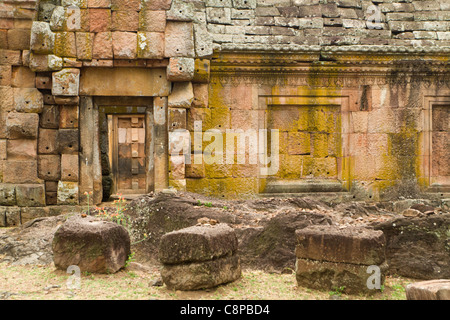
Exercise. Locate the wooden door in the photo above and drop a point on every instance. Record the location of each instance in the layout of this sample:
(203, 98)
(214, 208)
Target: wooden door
(128, 154)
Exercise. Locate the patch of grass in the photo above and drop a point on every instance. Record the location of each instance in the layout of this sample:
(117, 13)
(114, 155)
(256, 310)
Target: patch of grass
(28, 283)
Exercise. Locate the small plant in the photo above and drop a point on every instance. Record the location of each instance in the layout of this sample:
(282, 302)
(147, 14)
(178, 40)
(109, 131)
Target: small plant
(206, 204)
(118, 216)
(130, 259)
(225, 208)
(337, 291)
(88, 195)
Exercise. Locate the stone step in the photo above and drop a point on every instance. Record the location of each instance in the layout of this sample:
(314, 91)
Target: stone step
(302, 186)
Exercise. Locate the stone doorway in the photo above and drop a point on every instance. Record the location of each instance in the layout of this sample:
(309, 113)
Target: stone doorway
(440, 146)
(126, 145)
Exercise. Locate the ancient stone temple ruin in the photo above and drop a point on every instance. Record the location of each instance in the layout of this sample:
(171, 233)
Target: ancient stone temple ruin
(230, 98)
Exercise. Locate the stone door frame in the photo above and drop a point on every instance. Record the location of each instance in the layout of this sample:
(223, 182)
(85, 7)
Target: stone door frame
(427, 141)
(266, 98)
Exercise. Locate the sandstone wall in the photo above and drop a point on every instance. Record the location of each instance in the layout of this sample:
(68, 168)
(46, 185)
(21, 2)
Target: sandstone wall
(363, 99)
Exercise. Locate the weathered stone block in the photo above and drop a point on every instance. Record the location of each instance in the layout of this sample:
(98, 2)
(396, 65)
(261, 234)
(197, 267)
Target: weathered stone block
(202, 70)
(126, 5)
(6, 98)
(7, 195)
(99, 20)
(42, 40)
(103, 46)
(180, 69)
(23, 149)
(197, 243)
(49, 167)
(69, 167)
(21, 171)
(2, 217)
(125, 21)
(13, 216)
(5, 75)
(3, 149)
(66, 82)
(152, 21)
(99, 4)
(68, 141)
(182, 95)
(65, 44)
(203, 41)
(10, 57)
(67, 193)
(22, 125)
(50, 117)
(218, 15)
(43, 63)
(347, 245)
(43, 81)
(176, 168)
(202, 275)
(22, 77)
(179, 39)
(156, 4)
(93, 245)
(124, 45)
(68, 117)
(177, 119)
(324, 275)
(150, 45)
(30, 195)
(51, 186)
(181, 10)
(201, 95)
(28, 100)
(429, 290)
(85, 41)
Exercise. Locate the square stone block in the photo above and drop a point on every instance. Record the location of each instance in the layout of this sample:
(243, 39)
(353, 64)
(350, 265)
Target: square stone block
(65, 45)
(103, 46)
(85, 42)
(51, 186)
(68, 117)
(67, 193)
(28, 100)
(22, 149)
(69, 167)
(179, 39)
(180, 69)
(99, 20)
(48, 141)
(49, 167)
(68, 141)
(22, 125)
(7, 99)
(125, 20)
(202, 70)
(42, 40)
(7, 195)
(354, 245)
(124, 45)
(150, 45)
(50, 117)
(23, 77)
(66, 82)
(13, 216)
(30, 195)
(20, 171)
(44, 81)
(152, 21)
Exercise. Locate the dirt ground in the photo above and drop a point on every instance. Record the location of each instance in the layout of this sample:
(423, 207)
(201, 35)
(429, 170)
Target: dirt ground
(135, 283)
(27, 271)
